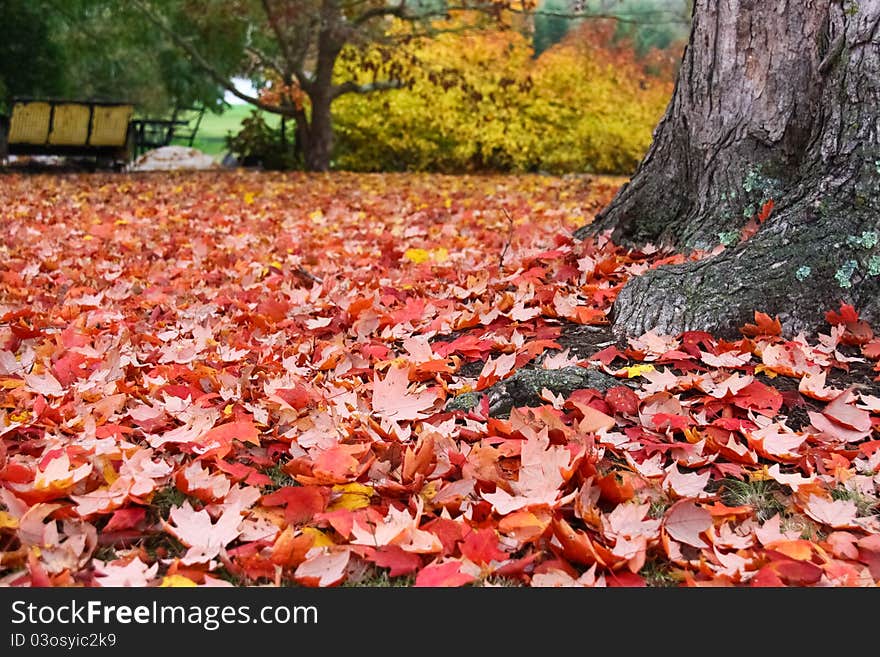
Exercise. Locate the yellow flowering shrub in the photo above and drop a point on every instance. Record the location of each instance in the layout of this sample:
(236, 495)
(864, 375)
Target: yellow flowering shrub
(480, 101)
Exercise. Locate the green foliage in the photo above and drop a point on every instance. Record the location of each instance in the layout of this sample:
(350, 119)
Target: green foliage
(259, 144)
(106, 49)
(164, 500)
(649, 25)
(215, 128)
(481, 102)
(652, 25)
(29, 58)
(551, 28)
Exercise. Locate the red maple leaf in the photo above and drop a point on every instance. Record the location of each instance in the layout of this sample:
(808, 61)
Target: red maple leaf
(301, 502)
(443, 574)
(398, 561)
(846, 315)
(481, 546)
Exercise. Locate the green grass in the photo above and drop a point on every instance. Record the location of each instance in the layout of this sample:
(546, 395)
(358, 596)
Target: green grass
(166, 499)
(865, 505)
(279, 478)
(211, 136)
(763, 495)
(659, 573)
(371, 576)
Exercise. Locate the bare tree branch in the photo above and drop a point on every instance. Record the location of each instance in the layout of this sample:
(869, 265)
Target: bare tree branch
(397, 11)
(199, 60)
(265, 60)
(290, 67)
(353, 87)
(634, 18)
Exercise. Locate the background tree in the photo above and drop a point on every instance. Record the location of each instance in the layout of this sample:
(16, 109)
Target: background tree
(646, 24)
(774, 103)
(480, 101)
(28, 56)
(95, 49)
(291, 47)
(552, 23)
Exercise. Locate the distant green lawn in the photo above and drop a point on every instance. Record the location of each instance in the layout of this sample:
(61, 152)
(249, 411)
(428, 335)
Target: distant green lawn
(211, 136)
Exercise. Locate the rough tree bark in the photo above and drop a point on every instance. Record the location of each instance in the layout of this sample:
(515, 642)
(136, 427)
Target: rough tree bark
(775, 101)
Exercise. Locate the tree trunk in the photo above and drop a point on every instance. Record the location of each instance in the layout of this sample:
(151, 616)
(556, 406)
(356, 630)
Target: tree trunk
(775, 101)
(317, 137)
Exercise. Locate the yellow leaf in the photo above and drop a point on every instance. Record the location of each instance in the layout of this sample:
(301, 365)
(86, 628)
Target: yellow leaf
(176, 581)
(692, 435)
(637, 370)
(418, 256)
(248, 197)
(320, 538)
(110, 474)
(361, 489)
(353, 496)
(7, 521)
(760, 475)
(429, 490)
(766, 370)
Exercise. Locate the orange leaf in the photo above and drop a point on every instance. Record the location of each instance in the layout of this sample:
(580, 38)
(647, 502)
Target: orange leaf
(218, 441)
(766, 209)
(576, 545)
(290, 550)
(763, 326)
(871, 349)
(525, 526)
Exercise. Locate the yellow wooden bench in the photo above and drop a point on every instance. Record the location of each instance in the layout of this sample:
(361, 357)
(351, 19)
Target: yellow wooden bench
(70, 128)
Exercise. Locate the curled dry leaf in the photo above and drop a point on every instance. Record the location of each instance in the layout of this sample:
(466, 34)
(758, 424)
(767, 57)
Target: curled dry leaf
(685, 521)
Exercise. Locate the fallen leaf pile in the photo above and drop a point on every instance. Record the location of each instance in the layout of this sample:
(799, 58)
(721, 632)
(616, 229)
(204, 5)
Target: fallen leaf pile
(234, 378)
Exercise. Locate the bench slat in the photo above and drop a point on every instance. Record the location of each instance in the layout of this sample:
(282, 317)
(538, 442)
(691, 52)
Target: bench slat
(70, 125)
(110, 125)
(29, 123)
